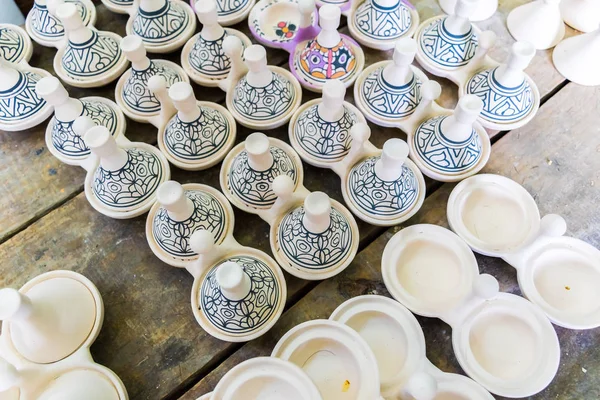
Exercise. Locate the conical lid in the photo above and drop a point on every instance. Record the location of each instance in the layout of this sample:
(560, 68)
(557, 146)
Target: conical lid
(15, 45)
(46, 29)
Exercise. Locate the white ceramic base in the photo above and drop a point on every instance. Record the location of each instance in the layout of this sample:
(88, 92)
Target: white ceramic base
(583, 15)
(538, 23)
(578, 58)
(485, 9)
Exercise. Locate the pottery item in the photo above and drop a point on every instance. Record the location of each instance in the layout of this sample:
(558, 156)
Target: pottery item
(45, 27)
(119, 6)
(15, 44)
(539, 23)
(163, 25)
(312, 236)
(132, 93)
(578, 58)
(265, 378)
(344, 5)
(203, 56)
(334, 356)
(499, 218)
(61, 139)
(397, 341)
(230, 12)
(48, 327)
(89, 58)
(380, 23)
(122, 176)
(485, 9)
(583, 15)
(502, 341)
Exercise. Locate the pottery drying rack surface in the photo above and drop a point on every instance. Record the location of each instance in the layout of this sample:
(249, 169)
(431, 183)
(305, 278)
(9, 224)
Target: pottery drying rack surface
(151, 340)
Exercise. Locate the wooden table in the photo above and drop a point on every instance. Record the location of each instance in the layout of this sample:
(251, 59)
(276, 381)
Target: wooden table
(150, 338)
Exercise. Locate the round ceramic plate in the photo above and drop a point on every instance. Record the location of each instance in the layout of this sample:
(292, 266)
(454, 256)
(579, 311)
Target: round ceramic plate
(495, 215)
(334, 356)
(15, 44)
(393, 334)
(263, 378)
(428, 269)
(217, 207)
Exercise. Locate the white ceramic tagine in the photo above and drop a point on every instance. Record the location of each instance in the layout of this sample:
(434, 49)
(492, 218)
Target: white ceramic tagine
(539, 23)
(45, 27)
(15, 45)
(583, 15)
(499, 218)
(578, 58)
(203, 56)
(485, 9)
(132, 93)
(231, 12)
(90, 58)
(502, 341)
(163, 25)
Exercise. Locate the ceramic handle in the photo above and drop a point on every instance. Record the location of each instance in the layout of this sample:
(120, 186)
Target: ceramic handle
(52, 6)
(82, 125)
(306, 7)
(404, 51)
(51, 90)
(317, 212)
(468, 109)
(421, 386)
(234, 282)
(553, 225)
(283, 187)
(256, 58)
(431, 90)
(206, 10)
(171, 196)
(329, 17)
(104, 146)
(69, 16)
(184, 100)
(465, 8)
(332, 107)
(486, 286)
(14, 305)
(258, 148)
(393, 156)
(9, 376)
(521, 55)
(202, 242)
(399, 72)
(133, 48)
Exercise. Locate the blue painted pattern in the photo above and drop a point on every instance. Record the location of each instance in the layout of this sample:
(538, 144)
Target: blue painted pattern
(383, 23)
(21, 101)
(92, 58)
(387, 100)
(445, 49)
(264, 103)
(228, 7)
(46, 25)
(163, 25)
(248, 314)
(135, 90)
(12, 45)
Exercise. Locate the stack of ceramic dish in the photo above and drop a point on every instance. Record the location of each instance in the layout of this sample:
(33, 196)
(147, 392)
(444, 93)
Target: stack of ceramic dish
(48, 327)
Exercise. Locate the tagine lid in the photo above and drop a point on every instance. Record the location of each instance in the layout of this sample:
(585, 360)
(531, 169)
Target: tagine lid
(180, 211)
(267, 376)
(15, 44)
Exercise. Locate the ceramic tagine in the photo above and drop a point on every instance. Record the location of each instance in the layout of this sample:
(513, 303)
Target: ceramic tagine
(199, 134)
(539, 23)
(502, 341)
(578, 58)
(163, 25)
(312, 236)
(380, 23)
(583, 15)
(15, 45)
(123, 180)
(203, 57)
(230, 12)
(48, 327)
(335, 357)
(119, 6)
(44, 26)
(132, 92)
(89, 58)
(485, 9)
(499, 218)
(61, 139)
(397, 341)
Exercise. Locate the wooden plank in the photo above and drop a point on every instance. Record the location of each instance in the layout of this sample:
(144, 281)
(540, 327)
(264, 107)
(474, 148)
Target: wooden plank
(556, 158)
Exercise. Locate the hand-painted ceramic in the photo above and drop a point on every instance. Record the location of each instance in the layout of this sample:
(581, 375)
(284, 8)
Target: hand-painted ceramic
(199, 135)
(15, 45)
(61, 139)
(265, 378)
(163, 25)
(230, 12)
(315, 240)
(539, 22)
(578, 58)
(334, 356)
(46, 29)
(344, 5)
(502, 341)
(48, 327)
(90, 58)
(498, 217)
(124, 181)
(380, 23)
(180, 211)
(250, 168)
(203, 57)
(485, 9)
(132, 93)
(119, 6)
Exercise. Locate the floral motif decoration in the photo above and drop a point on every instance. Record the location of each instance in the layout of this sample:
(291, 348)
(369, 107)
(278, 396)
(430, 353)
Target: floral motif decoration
(319, 63)
(281, 32)
(387, 100)
(445, 49)
(254, 187)
(199, 139)
(377, 197)
(12, 45)
(228, 7)
(328, 141)
(173, 236)
(161, 26)
(94, 57)
(285, 29)
(70, 144)
(250, 313)
(21, 101)
(264, 103)
(383, 23)
(131, 185)
(135, 90)
(314, 251)
(47, 25)
(500, 103)
(442, 154)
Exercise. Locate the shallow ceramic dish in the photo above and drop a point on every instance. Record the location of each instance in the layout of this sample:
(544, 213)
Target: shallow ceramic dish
(230, 12)
(335, 357)
(57, 356)
(498, 217)
(502, 341)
